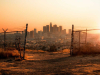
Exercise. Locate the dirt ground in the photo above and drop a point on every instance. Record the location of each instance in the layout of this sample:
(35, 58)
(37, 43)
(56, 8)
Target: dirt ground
(51, 63)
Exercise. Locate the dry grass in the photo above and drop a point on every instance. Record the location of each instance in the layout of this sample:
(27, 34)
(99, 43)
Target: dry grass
(9, 53)
(86, 50)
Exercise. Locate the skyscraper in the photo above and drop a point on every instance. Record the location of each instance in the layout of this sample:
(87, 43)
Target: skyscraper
(51, 28)
(31, 34)
(40, 33)
(60, 28)
(44, 29)
(64, 31)
(69, 32)
(54, 28)
(47, 28)
(57, 29)
(35, 32)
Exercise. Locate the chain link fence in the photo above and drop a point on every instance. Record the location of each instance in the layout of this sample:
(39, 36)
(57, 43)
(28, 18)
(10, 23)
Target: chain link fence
(85, 41)
(13, 40)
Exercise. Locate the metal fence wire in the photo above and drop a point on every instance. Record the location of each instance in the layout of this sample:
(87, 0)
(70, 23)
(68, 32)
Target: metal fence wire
(13, 40)
(82, 38)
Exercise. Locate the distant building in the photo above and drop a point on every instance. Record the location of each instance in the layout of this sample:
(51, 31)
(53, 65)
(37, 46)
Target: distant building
(31, 34)
(51, 28)
(47, 28)
(57, 29)
(54, 28)
(28, 34)
(69, 31)
(40, 33)
(60, 28)
(35, 32)
(44, 29)
(64, 31)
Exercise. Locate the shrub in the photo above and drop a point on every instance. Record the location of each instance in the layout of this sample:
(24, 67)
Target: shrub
(7, 54)
(86, 50)
(53, 48)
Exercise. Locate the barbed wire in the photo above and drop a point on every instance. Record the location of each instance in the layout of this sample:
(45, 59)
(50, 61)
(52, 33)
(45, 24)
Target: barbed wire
(22, 28)
(15, 29)
(84, 27)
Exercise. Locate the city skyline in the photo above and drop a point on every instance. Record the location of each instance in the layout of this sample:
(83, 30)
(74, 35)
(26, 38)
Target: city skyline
(50, 28)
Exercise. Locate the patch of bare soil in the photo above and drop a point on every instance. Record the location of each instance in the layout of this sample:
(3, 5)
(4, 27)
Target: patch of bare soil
(51, 63)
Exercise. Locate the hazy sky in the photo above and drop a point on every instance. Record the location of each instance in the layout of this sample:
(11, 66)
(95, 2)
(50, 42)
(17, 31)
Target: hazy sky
(81, 13)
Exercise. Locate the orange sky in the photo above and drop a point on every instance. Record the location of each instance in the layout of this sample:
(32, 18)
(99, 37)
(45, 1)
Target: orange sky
(82, 13)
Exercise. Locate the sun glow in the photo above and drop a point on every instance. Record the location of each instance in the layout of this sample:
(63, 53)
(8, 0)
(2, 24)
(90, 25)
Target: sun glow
(41, 12)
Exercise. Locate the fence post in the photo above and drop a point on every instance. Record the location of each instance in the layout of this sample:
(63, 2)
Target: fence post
(4, 38)
(79, 40)
(72, 40)
(25, 41)
(19, 46)
(86, 37)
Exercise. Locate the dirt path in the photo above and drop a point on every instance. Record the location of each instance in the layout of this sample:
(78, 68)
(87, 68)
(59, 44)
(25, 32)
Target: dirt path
(54, 63)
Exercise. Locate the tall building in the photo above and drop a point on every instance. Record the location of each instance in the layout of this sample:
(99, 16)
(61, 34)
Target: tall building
(69, 31)
(60, 28)
(40, 33)
(31, 34)
(35, 31)
(28, 34)
(51, 28)
(64, 31)
(54, 28)
(57, 29)
(47, 28)
(44, 29)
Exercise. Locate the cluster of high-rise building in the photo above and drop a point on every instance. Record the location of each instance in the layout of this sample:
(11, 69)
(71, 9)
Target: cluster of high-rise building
(53, 29)
(48, 31)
